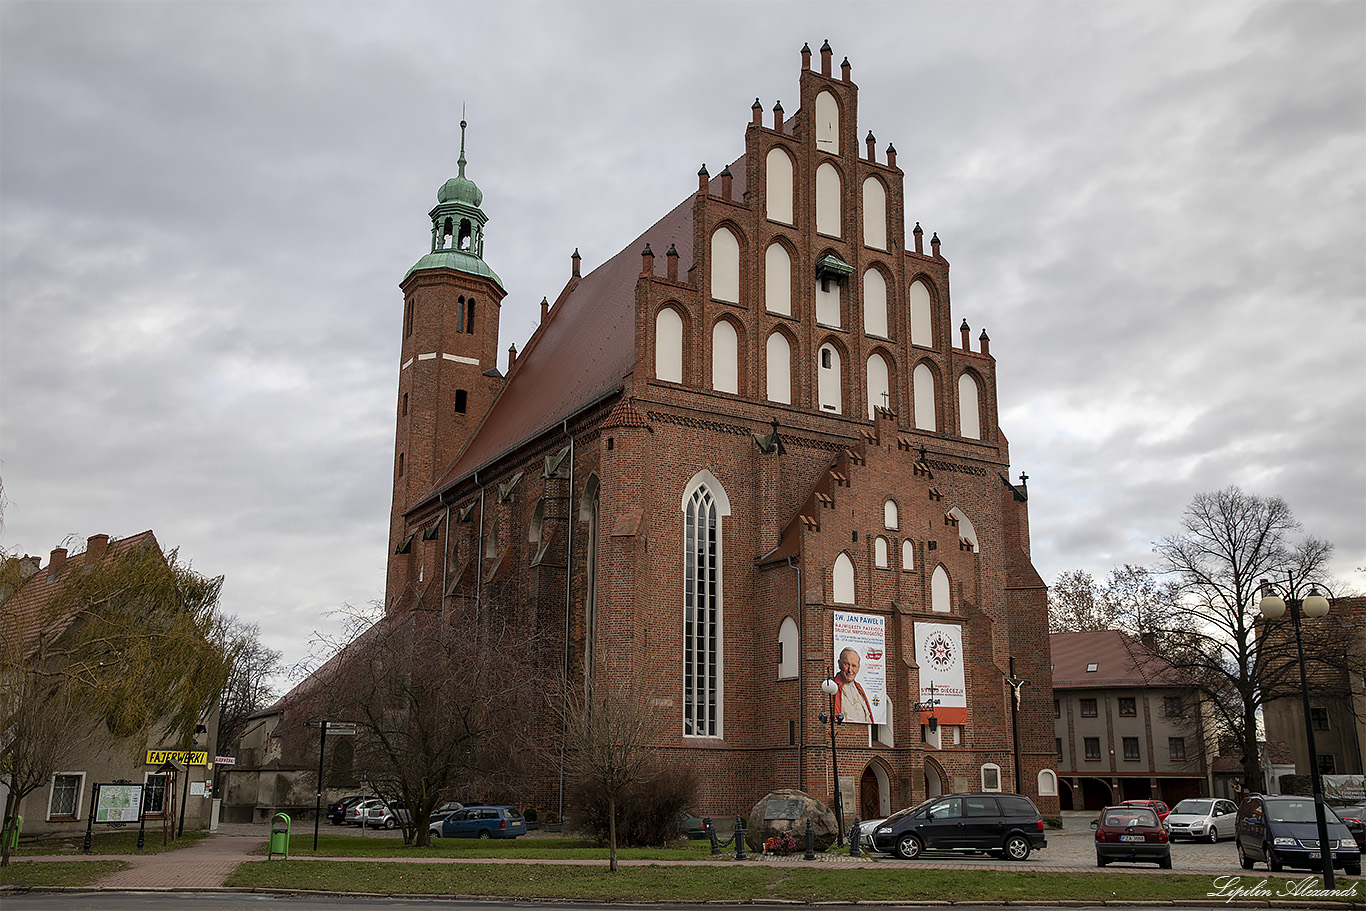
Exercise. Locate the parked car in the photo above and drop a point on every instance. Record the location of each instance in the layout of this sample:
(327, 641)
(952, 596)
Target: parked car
(1354, 818)
(1131, 833)
(1005, 825)
(446, 809)
(1157, 806)
(481, 822)
(377, 813)
(1283, 832)
(336, 812)
(1206, 818)
(866, 828)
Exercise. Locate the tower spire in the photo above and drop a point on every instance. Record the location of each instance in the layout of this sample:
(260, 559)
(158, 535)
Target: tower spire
(461, 160)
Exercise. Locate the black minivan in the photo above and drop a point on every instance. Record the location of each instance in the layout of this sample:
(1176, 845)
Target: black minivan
(1283, 831)
(1004, 825)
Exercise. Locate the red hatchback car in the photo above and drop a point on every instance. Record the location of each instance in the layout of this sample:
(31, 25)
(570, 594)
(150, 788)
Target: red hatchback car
(1157, 806)
(1129, 833)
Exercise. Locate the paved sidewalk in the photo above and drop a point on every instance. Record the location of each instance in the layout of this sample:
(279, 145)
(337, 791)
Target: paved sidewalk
(204, 866)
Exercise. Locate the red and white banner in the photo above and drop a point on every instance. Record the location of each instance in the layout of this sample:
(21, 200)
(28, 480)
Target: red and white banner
(939, 653)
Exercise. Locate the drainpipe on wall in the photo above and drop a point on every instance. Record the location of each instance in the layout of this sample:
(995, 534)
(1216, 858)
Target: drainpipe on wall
(568, 596)
(801, 680)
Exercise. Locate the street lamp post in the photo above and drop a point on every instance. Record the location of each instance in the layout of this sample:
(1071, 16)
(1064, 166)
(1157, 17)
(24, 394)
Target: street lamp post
(1314, 606)
(830, 688)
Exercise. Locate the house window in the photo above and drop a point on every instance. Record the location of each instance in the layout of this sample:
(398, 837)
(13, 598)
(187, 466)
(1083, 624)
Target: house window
(1057, 709)
(1176, 748)
(1128, 705)
(1319, 718)
(1057, 748)
(1327, 764)
(1131, 748)
(1088, 708)
(1171, 705)
(702, 599)
(65, 801)
(1092, 747)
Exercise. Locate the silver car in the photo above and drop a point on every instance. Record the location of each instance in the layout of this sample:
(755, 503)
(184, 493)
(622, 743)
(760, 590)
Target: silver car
(1204, 818)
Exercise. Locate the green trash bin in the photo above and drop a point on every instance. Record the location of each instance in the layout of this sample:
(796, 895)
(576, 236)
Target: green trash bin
(14, 835)
(279, 836)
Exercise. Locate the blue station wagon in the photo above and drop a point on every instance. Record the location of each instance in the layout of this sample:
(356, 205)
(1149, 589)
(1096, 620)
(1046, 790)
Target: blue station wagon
(481, 822)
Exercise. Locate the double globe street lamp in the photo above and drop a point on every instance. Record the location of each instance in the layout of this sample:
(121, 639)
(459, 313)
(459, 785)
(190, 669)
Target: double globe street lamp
(830, 687)
(1313, 605)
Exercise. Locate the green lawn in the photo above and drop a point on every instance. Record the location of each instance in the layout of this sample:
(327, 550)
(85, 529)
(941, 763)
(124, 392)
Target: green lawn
(124, 841)
(58, 872)
(301, 845)
(732, 883)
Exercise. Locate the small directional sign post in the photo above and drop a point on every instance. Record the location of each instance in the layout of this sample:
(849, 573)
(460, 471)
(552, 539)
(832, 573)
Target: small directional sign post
(340, 729)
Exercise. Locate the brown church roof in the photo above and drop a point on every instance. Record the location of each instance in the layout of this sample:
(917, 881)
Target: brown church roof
(584, 350)
(1121, 661)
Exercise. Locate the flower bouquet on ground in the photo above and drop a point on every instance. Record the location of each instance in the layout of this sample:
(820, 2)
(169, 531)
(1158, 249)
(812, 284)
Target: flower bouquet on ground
(781, 845)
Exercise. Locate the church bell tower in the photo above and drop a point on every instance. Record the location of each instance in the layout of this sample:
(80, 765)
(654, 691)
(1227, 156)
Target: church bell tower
(448, 366)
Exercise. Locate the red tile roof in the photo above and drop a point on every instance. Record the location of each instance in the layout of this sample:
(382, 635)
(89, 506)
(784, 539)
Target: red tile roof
(1121, 661)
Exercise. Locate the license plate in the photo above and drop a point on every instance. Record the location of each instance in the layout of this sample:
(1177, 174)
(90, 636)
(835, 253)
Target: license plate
(1313, 855)
(1131, 838)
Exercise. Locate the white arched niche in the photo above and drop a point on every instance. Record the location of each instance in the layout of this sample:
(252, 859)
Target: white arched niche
(875, 304)
(787, 649)
(874, 214)
(907, 555)
(880, 552)
(827, 123)
(779, 369)
(669, 346)
(969, 413)
(828, 302)
(828, 200)
(725, 266)
(939, 591)
(778, 181)
(778, 279)
(1048, 783)
(966, 530)
(879, 385)
(922, 384)
(828, 382)
(842, 590)
(922, 332)
(725, 358)
(889, 517)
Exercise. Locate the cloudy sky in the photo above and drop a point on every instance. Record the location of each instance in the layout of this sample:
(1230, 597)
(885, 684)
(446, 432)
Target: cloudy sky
(1157, 211)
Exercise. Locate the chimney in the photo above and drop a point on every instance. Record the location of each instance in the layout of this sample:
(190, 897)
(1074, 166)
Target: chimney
(673, 263)
(891, 155)
(778, 116)
(986, 343)
(966, 332)
(647, 261)
(756, 112)
(58, 557)
(844, 70)
(575, 260)
(725, 183)
(512, 357)
(806, 56)
(96, 545)
(702, 178)
(934, 245)
(919, 238)
(545, 309)
(825, 58)
(872, 152)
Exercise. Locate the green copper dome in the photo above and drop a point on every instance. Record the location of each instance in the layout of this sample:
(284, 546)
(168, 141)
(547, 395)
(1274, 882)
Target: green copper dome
(460, 188)
(460, 261)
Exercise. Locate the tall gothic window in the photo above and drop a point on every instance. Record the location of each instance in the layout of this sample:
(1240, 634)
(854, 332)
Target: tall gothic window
(704, 504)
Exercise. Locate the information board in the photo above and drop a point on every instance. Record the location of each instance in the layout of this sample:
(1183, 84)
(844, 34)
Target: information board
(118, 803)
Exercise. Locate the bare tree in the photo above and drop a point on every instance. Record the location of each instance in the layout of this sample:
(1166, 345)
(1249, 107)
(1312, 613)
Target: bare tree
(250, 685)
(610, 736)
(1131, 598)
(1229, 542)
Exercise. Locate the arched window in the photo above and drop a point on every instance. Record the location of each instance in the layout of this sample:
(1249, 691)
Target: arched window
(879, 387)
(725, 358)
(787, 649)
(842, 589)
(533, 532)
(880, 552)
(889, 516)
(725, 266)
(779, 184)
(779, 369)
(907, 555)
(669, 346)
(778, 279)
(874, 214)
(828, 380)
(1048, 783)
(828, 200)
(991, 777)
(969, 415)
(827, 123)
(922, 328)
(939, 591)
(469, 316)
(966, 530)
(922, 384)
(704, 504)
(828, 303)
(875, 303)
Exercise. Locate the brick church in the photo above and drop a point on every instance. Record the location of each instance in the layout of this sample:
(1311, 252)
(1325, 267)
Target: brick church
(749, 452)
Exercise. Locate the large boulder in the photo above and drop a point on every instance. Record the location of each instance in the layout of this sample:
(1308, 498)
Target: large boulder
(787, 812)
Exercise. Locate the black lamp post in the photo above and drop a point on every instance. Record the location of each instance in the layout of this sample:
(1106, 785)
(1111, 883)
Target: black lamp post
(830, 688)
(1314, 606)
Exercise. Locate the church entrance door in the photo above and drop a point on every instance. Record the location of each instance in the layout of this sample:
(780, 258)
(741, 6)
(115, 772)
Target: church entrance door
(869, 796)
